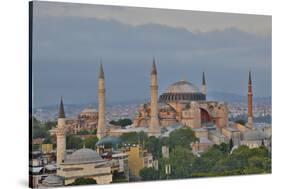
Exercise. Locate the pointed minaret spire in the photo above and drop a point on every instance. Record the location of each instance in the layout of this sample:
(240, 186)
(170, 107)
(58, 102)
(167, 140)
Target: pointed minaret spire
(203, 79)
(153, 70)
(101, 73)
(250, 78)
(203, 89)
(250, 103)
(61, 110)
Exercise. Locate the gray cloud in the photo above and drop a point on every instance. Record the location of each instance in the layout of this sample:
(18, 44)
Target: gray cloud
(196, 21)
(67, 50)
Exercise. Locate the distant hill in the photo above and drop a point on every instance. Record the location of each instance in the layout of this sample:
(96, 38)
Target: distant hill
(231, 97)
(212, 95)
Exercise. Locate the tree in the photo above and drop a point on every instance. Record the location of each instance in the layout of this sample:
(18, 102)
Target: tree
(35, 123)
(223, 147)
(130, 138)
(242, 161)
(94, 132)
(49, 125)
(121, 122)
(181, 160)
(91, 142)
(113, 122)
(39, 133)
(257, 162)
(83, 132)
(40, 130)
(134, 138)
(181, 137)
(83, 181)
(153, 145)
(230, 145)
(47, 139)
(142, 137)
(125, 122)
(241, 121)
(262, 143)
(149, 174)
(73, 142)
(208, 159)
(35, 147)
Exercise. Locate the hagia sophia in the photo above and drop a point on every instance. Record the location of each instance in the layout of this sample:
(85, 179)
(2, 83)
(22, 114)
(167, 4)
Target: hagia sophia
(182, 105)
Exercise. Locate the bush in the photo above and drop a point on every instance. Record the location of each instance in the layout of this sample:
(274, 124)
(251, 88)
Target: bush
(83, 181)
(149, 174)
(83, 132)
(121, 122)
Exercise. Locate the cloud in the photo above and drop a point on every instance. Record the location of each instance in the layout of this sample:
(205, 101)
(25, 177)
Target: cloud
(67, 50)
(196, 21)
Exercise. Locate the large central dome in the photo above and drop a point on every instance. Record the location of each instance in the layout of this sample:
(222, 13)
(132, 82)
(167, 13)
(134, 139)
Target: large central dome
(182, 87)
(182, 90)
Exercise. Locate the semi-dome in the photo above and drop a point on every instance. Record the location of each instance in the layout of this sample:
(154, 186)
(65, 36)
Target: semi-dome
(182, 90)
(84, 155)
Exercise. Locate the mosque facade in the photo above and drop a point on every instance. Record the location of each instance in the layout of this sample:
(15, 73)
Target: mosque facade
(183, 103)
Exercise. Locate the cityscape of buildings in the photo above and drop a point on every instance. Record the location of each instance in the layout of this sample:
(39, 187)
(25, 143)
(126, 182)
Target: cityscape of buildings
(129, 110)
(181, 106)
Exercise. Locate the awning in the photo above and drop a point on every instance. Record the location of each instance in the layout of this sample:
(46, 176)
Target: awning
(51, 167)
(35, 169)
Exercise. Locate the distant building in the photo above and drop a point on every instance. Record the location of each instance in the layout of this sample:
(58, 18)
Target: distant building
(138, 158)
(87, 120)
(47, 148)
(255, 139)
(41, 166)
(38, 141)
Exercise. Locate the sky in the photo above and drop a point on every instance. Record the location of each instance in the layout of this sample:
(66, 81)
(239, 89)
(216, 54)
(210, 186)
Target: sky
(69, 40)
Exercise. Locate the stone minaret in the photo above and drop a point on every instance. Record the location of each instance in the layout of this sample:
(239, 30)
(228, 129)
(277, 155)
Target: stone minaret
(60, 132)
(203, 89)
(101, 104)
(154, 129)
(250, 103)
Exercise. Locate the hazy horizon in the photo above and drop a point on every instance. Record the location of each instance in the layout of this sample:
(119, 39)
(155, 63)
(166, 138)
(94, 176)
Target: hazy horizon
(70, 39)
